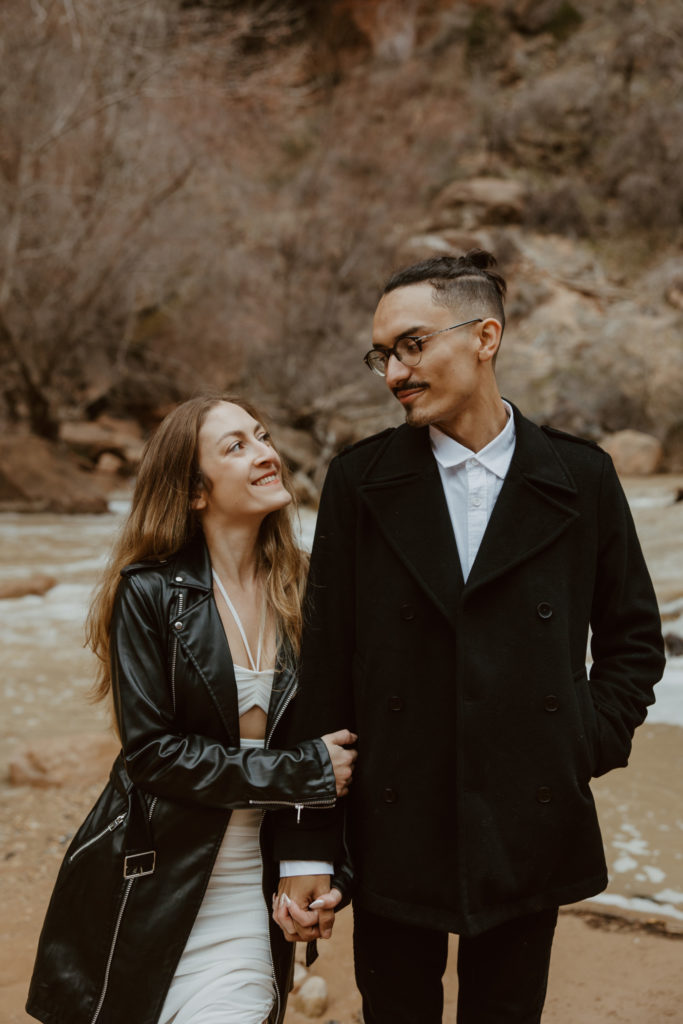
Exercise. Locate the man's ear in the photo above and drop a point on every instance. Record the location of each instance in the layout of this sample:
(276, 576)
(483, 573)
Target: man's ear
(490, 332)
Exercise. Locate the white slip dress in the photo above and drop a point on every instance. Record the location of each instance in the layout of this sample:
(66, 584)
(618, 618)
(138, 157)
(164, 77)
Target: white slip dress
(225, 973)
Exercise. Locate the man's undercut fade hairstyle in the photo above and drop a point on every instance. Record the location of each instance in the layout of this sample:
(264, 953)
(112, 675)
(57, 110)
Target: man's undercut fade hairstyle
(456, 279)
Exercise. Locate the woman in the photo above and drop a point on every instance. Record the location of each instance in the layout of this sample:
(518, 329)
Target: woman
(159, 913)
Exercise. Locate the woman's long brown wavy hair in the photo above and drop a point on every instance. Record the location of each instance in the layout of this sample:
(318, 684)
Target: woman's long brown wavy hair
(161, 522)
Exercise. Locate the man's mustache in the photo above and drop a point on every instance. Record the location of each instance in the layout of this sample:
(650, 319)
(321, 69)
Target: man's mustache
(409, 385)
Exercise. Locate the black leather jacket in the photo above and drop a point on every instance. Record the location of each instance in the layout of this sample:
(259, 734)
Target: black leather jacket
(133, 878)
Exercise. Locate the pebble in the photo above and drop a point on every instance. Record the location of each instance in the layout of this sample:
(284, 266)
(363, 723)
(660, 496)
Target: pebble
(673, 644)
(312, 996)
(300, 975)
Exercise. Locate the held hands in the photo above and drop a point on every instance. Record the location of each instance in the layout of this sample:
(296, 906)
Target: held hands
(304, 906)
(341, 758)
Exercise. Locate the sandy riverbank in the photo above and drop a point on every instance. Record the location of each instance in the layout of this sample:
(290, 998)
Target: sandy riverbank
(624, 969)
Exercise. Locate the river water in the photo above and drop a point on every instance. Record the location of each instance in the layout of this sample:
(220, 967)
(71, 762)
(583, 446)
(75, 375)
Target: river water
(46, 674)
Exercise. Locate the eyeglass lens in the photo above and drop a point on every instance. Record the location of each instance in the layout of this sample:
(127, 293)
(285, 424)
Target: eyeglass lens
(406, 350)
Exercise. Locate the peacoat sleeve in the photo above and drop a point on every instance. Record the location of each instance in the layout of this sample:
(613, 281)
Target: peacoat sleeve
(163, 759)
(626, 641)
(325, 701)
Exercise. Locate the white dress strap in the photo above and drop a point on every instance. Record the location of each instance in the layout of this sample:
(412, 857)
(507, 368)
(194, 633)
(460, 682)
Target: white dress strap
(255, 665)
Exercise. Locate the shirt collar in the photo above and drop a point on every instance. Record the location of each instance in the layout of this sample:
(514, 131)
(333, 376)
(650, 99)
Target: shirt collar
(495, 457)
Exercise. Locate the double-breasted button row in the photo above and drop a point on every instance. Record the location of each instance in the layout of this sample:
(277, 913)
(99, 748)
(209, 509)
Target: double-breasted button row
(544, 794)
(389, 795)
(407, 612)
(395, 703)
(550, 702)
(544, 610)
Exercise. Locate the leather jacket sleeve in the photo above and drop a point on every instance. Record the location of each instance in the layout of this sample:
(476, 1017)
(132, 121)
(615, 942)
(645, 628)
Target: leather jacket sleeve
(164, 759)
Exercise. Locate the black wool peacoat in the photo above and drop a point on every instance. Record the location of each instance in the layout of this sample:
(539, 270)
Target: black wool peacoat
(479, 727)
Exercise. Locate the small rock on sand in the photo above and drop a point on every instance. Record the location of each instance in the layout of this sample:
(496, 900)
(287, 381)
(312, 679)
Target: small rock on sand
(300, 975)
(633, 452)
(311, 999)
(63, 761)
(38, 584)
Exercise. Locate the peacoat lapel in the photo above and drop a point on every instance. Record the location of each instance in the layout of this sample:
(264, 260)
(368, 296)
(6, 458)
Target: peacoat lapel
(403, 491)
(402, 488)
(533, 508)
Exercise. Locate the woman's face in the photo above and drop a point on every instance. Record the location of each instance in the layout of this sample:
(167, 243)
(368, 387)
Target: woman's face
(243, 469)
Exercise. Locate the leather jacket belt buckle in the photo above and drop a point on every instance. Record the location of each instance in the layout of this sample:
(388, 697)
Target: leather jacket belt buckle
(135, 865)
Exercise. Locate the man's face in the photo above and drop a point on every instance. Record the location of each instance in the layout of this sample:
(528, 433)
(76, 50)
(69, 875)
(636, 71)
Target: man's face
(449, 379)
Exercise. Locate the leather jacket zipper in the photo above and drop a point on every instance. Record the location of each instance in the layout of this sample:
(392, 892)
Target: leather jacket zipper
(297, 804)
(285, 704)
(109, 828)
(272, 961)
(174, 655)
(287, 701)
(130, 881)
(117, 926)
(270, 948)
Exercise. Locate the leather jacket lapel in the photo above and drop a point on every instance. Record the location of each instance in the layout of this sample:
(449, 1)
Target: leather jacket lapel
(202, 636)
(205, 644)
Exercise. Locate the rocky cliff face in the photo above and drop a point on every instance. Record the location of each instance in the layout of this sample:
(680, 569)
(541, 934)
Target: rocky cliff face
(294, 159)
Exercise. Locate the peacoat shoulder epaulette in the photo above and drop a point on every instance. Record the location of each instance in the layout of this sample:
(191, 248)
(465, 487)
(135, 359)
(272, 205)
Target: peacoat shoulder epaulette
(135, 567)
(367, 440)
(564, 436)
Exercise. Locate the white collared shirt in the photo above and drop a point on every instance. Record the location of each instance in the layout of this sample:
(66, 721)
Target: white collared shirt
(471, 482)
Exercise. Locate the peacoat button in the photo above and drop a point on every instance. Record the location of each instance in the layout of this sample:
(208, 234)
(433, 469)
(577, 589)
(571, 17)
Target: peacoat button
(178, 625)
(407, 612)
(389, 796)
(395, 704)
(544, 794)
(544, 610)
(551, 703)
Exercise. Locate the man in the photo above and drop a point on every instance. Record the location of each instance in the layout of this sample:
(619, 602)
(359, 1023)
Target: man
(458, 564)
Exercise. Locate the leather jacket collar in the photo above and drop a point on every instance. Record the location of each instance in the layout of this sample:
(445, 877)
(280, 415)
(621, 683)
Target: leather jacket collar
(189, 571)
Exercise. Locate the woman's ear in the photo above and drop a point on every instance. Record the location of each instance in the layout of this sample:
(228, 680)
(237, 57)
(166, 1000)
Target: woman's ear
(198, 503)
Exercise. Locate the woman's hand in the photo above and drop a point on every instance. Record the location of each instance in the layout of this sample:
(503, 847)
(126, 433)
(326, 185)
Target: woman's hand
(341, 758)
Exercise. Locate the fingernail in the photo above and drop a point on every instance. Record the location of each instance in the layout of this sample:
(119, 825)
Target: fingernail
(315, 904)
(284, 899)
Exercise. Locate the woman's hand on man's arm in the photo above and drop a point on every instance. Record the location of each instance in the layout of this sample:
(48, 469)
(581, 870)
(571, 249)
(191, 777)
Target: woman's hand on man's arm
(342, 759)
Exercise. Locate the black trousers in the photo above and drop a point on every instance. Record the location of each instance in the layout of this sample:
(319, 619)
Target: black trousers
(502, 973)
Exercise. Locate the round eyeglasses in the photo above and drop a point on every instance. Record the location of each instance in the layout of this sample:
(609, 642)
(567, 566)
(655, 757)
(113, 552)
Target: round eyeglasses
(408, 350)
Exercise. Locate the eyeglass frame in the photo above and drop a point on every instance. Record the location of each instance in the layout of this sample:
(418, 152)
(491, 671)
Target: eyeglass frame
(419, 341)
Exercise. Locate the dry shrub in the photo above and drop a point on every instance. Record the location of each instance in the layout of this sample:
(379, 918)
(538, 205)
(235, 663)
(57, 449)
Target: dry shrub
(214, 191)
(105, 222)
(556, 208)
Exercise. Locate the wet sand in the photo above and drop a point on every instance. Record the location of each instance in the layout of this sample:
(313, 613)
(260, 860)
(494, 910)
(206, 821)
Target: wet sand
(610, 963)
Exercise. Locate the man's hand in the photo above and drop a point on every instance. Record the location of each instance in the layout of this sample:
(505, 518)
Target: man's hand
(304, 907)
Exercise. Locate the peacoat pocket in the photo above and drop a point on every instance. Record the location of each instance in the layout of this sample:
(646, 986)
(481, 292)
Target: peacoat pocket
(589, 718)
